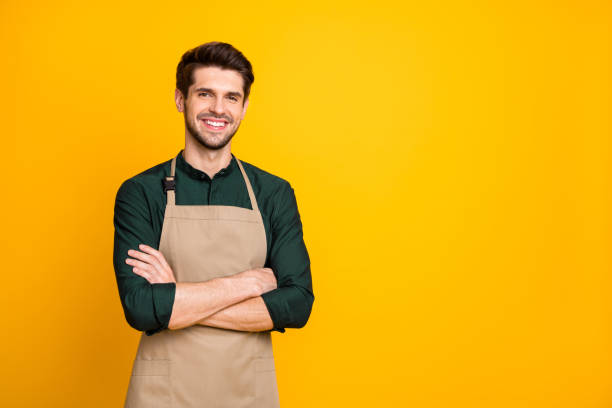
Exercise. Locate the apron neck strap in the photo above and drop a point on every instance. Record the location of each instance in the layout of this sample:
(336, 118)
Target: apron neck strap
(169, 184)
(249, 187)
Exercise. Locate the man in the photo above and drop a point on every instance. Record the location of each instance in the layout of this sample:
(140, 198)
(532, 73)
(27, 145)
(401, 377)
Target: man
(209, 254)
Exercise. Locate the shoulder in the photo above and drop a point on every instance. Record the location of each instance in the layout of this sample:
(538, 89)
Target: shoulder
(265, 180)
(274, 192)
(145, 183)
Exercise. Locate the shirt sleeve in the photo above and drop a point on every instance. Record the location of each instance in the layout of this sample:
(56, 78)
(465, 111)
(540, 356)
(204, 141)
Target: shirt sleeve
(147, 307)
(291, 302)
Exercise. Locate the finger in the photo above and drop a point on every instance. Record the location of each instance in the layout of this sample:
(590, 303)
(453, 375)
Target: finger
(141, 255)
(157, 254)
(152, 278)
(161, 264)
(142, 273)
(149, 259)
(141, 265)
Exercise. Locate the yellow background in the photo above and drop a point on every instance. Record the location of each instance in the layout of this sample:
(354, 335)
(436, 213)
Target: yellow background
(451, 162)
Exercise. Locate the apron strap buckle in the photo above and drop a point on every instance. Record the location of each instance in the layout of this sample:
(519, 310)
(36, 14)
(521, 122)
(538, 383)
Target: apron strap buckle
(168, 183)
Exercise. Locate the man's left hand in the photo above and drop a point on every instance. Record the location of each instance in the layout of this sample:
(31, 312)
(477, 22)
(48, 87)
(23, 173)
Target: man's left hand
(150, 264)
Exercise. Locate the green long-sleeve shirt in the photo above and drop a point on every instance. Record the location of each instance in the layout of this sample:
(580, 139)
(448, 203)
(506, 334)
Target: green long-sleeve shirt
(139, 215)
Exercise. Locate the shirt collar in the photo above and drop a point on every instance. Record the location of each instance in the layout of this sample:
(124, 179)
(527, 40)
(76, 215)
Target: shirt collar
(199, 174)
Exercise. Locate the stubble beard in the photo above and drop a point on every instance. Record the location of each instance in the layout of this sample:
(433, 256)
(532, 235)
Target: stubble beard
(201, 138)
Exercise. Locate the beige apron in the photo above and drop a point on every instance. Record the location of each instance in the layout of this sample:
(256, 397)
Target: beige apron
(202, 366)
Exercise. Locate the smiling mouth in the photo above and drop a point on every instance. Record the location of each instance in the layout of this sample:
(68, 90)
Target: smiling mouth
(215, 124)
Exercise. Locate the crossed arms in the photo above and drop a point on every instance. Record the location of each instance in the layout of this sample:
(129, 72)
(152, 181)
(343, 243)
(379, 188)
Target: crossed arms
(231, 302)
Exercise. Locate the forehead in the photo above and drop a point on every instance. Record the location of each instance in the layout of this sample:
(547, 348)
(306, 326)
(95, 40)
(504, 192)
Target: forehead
(221, 80)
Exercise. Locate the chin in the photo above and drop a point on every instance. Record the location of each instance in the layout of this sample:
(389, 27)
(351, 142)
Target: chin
(209, 144)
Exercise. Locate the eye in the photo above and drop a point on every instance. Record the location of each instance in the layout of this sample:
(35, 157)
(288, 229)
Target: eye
(233, 99)
(203, 93)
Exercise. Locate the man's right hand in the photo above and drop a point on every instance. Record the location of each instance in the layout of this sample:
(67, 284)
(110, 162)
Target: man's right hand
(263, 279)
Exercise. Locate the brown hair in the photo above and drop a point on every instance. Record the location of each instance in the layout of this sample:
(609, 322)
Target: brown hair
(213, 54)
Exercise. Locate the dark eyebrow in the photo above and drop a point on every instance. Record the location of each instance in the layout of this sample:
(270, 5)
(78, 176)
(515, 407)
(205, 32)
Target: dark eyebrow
(237, 94)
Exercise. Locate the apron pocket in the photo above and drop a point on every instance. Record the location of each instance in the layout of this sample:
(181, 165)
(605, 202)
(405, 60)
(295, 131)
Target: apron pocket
(266, 389)
(149, 384)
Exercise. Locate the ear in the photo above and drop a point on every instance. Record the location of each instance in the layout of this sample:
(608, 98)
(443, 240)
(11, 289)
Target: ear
(244, 108)
(179, 100)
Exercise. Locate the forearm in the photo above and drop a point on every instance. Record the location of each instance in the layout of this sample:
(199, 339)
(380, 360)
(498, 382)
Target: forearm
(195, 301)
(249, 315)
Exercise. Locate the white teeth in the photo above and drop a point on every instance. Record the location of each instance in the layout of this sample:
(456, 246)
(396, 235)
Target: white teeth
(217, 124)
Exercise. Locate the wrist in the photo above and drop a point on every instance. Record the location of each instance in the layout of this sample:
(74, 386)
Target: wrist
(247, 285)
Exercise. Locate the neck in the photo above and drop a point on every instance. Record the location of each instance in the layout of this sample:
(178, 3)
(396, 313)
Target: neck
(207, 160)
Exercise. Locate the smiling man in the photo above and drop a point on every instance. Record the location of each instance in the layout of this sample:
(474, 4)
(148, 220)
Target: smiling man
(209, 253)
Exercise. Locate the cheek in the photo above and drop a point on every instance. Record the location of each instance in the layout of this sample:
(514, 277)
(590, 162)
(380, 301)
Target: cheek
(196, 107)
(237, 114)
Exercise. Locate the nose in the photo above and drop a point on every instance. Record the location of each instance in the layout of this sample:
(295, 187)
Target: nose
(216, 106)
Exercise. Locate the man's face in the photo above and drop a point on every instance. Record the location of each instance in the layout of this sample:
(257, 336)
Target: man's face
(214, 106)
